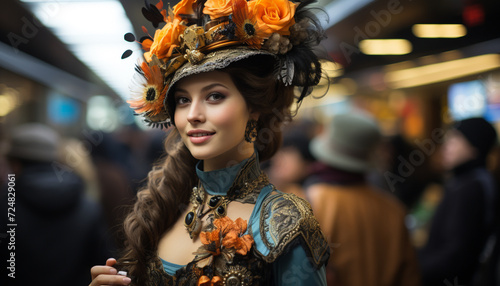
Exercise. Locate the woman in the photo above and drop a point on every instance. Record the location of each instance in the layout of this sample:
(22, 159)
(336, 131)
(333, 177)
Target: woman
(223, 73)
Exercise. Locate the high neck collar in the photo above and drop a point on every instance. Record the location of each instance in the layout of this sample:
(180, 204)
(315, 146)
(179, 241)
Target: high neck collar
(221, 181)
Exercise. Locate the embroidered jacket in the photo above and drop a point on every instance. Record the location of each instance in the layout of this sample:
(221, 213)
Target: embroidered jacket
(289, 247)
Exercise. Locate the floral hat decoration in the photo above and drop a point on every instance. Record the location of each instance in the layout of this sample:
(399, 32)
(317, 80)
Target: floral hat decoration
(204, 35)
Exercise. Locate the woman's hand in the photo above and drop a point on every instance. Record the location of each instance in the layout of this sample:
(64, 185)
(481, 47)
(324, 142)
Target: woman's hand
(107, 275)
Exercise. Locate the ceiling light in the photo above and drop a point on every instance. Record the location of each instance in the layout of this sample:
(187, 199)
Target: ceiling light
(93, 31)
(385, 47)
(8, 102)
(439, 30)
(442, 71)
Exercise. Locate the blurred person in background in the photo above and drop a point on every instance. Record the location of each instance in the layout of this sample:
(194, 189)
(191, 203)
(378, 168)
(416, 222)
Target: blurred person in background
(58, 226)
(122, 160)
(293, 162)
(411, 172)
(394, 155)
(75, 155)
(465, 217)
(364, 226)
(489, 272)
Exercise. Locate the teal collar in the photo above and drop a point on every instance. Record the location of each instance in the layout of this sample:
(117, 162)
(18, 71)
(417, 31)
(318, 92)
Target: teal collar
(219, 182)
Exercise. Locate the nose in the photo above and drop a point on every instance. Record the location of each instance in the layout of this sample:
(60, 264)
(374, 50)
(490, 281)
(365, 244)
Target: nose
(196, 112)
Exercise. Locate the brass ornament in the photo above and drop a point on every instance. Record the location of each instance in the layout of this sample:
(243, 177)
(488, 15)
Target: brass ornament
(192, 224)
(194, 56)
(237, 276)
(194, 37)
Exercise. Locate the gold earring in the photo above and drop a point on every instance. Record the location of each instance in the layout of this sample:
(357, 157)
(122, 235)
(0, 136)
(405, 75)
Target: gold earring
(251, 131)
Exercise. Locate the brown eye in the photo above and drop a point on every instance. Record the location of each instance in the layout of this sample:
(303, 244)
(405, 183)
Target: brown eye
(215, 96)
(181, 100)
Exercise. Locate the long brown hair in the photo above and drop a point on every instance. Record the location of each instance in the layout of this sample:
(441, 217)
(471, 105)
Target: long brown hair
(167, 193)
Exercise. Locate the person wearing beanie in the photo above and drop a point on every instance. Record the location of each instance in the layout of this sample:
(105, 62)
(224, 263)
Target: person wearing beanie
(464, 218)
(365, 227)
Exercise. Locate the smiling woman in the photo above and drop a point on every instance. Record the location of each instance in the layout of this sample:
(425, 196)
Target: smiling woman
(211, 116)
(209, 215)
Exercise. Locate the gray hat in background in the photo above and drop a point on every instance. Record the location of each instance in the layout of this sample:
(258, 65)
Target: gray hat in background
(348, 142)
(34, 141)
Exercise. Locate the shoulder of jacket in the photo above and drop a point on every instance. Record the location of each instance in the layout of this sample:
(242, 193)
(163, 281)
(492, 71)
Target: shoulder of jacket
(287, 221)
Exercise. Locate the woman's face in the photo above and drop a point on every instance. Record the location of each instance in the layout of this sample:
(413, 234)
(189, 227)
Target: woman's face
(211, 116)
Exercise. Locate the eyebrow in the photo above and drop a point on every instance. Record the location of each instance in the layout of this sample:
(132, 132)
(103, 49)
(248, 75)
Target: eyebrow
(208, 87)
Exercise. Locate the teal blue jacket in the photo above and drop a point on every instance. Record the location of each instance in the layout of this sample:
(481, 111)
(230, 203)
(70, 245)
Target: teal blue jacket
(289, 247)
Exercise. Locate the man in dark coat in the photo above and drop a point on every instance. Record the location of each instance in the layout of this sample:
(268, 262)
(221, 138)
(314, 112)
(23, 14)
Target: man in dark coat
(55, 233)
(465, 217)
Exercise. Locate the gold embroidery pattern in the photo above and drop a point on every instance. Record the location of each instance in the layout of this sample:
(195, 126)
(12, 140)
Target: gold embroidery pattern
(286, 217)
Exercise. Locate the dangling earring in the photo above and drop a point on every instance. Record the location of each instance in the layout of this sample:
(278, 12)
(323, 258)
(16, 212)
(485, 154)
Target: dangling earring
(251, 131)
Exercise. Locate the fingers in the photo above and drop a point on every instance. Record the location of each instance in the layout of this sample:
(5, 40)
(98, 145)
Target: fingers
(110, 262)
(107, 275)
(102, 270)
(97, 270)
(106, 279)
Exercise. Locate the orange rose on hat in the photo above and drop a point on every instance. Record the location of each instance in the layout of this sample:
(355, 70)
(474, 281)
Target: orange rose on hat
(274, 16)
(185, 7)
(218, 8)
(165, 40)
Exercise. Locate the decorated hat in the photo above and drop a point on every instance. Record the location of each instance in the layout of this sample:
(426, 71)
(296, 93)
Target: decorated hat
(200, 36)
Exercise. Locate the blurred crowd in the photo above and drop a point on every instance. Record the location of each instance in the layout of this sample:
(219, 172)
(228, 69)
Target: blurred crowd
(71, 196)
(397, 212)
(394, 212)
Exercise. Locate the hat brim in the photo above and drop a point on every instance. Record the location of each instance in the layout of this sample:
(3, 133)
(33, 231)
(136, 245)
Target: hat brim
(213, 61)
(320, 149)
(216, 60)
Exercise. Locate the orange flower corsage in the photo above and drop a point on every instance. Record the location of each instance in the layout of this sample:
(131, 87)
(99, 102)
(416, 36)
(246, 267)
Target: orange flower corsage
(227, 239)
(233, 235)
(227, 234)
